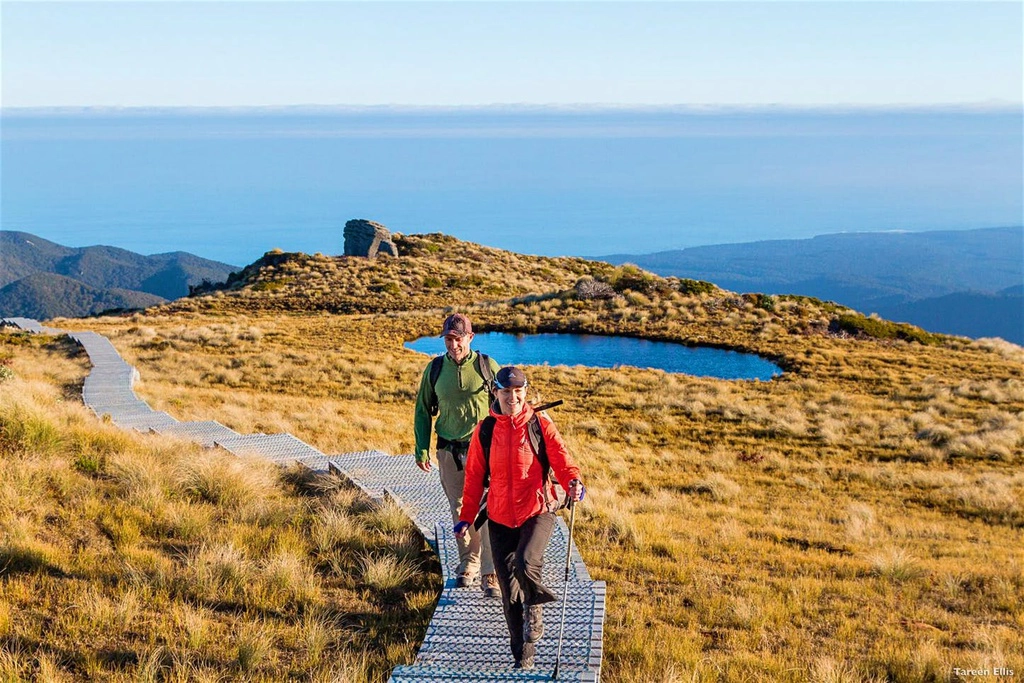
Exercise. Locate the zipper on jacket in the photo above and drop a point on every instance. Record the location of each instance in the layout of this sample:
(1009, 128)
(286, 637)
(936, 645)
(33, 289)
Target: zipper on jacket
(508, 467)
(460, 366)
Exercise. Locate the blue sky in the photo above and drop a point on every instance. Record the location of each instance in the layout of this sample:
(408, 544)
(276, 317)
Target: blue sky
(461, 53)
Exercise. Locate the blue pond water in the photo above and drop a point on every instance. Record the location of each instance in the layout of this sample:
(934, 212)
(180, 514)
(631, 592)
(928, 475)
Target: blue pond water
(611, 352)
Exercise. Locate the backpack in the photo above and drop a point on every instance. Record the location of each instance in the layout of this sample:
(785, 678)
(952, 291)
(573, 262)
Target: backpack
(536, 434)
(483, 366)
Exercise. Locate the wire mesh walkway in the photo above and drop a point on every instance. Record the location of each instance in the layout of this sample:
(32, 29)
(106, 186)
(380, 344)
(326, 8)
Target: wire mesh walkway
(466, 639)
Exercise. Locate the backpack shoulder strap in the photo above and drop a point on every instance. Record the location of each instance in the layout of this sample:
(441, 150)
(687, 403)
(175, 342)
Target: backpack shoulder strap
(486, 434)
(435, 371)
(536, 434)
(483, 366)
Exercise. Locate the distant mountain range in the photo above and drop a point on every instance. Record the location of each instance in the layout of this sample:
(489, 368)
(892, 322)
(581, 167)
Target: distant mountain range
(965, 282)
(42, 279)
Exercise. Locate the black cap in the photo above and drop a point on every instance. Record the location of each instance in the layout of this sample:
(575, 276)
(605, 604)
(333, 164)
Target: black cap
(510, 377)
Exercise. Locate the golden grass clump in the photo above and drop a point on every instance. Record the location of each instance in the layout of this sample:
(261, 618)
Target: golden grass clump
(174, 563)
(385, 572)
(228, 482)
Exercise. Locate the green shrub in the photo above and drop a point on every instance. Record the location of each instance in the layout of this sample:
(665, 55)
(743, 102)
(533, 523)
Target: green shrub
(633, 278)
(877, 328)
(392, 288)
(827, 306)
(270, 285)
(468, 282)
(688, 286)
(762, 301)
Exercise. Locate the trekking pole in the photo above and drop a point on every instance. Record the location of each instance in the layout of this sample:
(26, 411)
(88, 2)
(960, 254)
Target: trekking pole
(548, 406)
(565, 591)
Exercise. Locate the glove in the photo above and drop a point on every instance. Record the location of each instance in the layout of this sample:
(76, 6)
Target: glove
(576, 490)
(461, 528)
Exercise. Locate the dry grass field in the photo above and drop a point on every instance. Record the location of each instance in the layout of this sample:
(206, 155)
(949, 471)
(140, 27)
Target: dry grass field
(138, 558)
(860, 518)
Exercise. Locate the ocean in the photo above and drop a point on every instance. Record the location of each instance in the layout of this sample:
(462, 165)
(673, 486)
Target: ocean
(231, 184)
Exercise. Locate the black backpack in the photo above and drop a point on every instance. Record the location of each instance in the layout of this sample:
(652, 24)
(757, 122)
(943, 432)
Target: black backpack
(483, 366)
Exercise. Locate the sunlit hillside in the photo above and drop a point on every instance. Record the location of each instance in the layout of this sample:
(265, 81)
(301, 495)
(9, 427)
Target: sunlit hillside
(860, 518)
(126, 557)
(431, 270)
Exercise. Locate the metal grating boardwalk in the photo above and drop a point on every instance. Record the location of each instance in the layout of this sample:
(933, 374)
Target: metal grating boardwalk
(466, 639)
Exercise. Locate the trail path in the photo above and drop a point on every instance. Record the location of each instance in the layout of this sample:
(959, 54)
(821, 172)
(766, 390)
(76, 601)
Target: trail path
(466, 639)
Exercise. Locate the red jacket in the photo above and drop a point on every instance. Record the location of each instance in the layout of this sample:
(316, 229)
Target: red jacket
(517, 476)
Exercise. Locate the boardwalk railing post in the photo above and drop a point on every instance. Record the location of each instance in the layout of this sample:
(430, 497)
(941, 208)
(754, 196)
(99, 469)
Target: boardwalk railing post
(565, 590)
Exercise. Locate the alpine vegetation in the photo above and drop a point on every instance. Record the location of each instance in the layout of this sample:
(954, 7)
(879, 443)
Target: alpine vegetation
(174, 563)
(857, 518)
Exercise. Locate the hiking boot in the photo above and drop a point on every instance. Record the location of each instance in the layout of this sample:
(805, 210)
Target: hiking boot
(465, 579)
(490, 586)
(534, 626)
(526, 660)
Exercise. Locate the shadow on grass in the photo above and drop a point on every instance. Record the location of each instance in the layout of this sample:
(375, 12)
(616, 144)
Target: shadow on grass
(19, 560)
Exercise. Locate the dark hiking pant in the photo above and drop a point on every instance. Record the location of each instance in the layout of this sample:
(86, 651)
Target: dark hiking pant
(518, 562)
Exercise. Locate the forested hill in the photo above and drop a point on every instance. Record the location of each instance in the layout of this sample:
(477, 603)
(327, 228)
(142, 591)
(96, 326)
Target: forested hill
(939, 280)
(48, 295)
(34, 274)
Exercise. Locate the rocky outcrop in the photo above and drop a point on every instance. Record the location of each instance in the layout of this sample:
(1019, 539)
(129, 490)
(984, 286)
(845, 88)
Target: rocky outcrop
(366, 238)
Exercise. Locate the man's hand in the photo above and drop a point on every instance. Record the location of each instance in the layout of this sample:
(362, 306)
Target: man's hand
(460, 529)
(576, 490)
(424, 464)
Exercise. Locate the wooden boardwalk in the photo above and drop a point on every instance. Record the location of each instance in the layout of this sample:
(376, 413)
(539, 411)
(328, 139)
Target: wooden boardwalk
(466, 639)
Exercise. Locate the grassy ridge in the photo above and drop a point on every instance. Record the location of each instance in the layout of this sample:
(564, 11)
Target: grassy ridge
(173, 563)
(432, 270)
(858, 519)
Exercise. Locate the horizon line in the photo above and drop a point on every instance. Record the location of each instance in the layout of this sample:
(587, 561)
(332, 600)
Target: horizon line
(981, 106)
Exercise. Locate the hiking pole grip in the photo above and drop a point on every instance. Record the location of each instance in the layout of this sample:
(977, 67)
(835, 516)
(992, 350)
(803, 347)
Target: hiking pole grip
(548, 406)
(565, 590)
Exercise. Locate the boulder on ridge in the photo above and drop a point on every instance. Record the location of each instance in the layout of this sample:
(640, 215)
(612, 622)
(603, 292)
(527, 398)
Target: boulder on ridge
(366, 238)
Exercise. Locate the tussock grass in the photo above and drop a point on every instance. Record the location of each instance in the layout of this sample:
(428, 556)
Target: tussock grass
(234, 483)
(895, 564)
(317, 634)
(155, 560)
(333, 529)
(719, 487)
(387, 518)
(432, 271)
(385, 572)
(875, 527)
(254, 647)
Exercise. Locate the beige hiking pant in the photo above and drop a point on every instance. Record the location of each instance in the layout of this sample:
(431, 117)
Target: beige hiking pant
(474, 547)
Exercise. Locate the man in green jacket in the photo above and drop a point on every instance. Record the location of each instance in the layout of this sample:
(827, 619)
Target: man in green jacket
(459, 396)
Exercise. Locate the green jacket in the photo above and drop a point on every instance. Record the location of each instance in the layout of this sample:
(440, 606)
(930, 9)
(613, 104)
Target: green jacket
(461, 399)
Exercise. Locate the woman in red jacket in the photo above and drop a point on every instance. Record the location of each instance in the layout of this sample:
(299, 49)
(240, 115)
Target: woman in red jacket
(519, 508)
